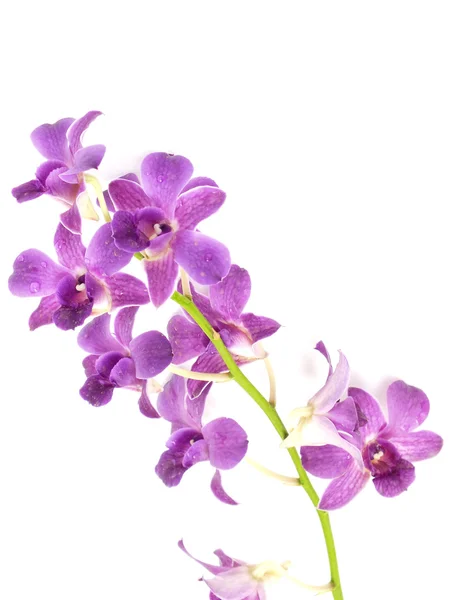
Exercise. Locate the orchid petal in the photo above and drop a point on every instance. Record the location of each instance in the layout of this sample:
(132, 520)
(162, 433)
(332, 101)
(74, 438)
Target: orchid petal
(325, 461)
(163, 177)
(227, 442)
(50, 140)
(344, 415)
(35, 274)
(55, 186)
(198, 182)
(161, 274)
(214, 569)
(397, 481)
(77, 129)
(97, 391)
(371, 410)
(235, 584)
(43, 315)
(344, 488)
(151, 352)
(408, 407)
(28, 191)
(102, 255)
(320, 347)
(128, 195)
(229, 296)
(198, 452)
(71, 219)
(259, 328)
(145, 406)
(417, 445)
(126, 290)
(70, 317)
(334, 388)
(170, 468)
(219, 492)
(206, 260)
(96, 338)
(197, 204)
(187, 339)
(123, 374)
(69, 248)
(123, 324)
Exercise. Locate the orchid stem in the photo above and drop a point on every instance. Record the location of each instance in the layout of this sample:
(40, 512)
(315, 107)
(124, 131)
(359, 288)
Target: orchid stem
(273, 474)
(216, 377)
(188, 305)
(272, 382)
(101, 198)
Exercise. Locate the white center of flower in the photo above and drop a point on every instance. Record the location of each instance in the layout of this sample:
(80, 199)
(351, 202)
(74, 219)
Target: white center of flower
(157, 229)
(378, 455)
(80, 287)
(269, 569)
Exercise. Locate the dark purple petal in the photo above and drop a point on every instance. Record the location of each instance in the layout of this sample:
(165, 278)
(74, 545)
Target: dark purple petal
(128, 195)
(102, 255)
(145, 406)
(417, 445)
(127, 235)
(44, 170)
(259, 327)
(35, 274)
(170, 468)
(408, 407)
(206, 260)
(89, 365)
(43, 315)
(71, 219)
(151, 352)
(344, 415)
(161, 274)
(123, 324)
(214, 569)
(163, 177)
(171, 404)
(197, 204)
(197, 182)
(325, 461)
(187, 339)
(370, 409)
(106, 362)
(96, 338)
(229, 296)
(123, 374)
(219, 492)
(28, 191)
(50, 140)
(397, 481)
(227, 442)
(320, 347)
(67, 292)
(70, 317)
(97, 391)
(77, 129)
(126, 290)
(198, 452)
(182, 439)
(344, 488)
(69, 248)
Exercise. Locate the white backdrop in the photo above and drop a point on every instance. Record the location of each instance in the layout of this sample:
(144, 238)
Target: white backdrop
(328, 125)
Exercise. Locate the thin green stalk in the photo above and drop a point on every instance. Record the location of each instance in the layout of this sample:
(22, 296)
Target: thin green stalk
(188, 305)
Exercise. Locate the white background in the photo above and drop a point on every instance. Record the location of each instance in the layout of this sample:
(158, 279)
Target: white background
(328, 125)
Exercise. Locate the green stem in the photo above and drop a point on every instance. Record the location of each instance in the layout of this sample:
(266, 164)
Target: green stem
(188, 305)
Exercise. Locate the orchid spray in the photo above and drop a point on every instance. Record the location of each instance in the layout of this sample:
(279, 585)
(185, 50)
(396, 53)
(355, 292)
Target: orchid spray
(340, 434)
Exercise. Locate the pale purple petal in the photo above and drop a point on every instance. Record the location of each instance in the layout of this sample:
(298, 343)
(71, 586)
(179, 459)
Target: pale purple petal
(123, 374)
(417, 445)
(320, 347)
(44, 169)
(102, 255)
(88, 158)
(327, 461)
(396, 482)
(70, 317)
(408, 407)
(151, 352)
(128, 195)
(227, 442)
(196, 406)
(69, 248)
(96, 338)
(71, 219)
(97, 391)
(170, 468)
(123, 324)
(35, 274)
(344, 488)
(163, 177)
(145, 406)
(170, 402)
(62, 189)
(126, 290)
(198, 452)
(77, 129)
(214, 569)
(334, 388)
(344, 415)
(187, 339)
(227, 561)
(197, 182)
(206, 260)
(259, 327)
(235, 584)
(229, 296)
(28, 191)
(370, 409)
(161, 274)
(219, 492)
(43, 315)
(50, 140)
(197, 204)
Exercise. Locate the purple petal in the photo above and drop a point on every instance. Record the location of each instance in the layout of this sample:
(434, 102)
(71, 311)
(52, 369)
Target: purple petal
(123, 324)
(161, 275)
(127, 235)
(259, 327)
(95, 290)
(198, 182)
(219, 492)
(171, 401)
(96, 338)
(89, 365)
(69, 248)
(151, 352)
(408, 407)
(195, 407)
(170, 468)
(97, 391)
(370, 409)
(43, 315)
(62, 189)
(50, 140)
(334, 388)
(71, 219)
(77, 129)
(320, 347)
(28, 191)
(206, 260)
(235, 584)
(183, 439)
(106, 362)
(327, 461)
(198, 452)
(187, 339)
(344, 488)
(396, 482)
(214, 569)
(227, 442)
(128, 195)
(35, 274)
(70, 317)
(123, 374)
(67, 293)
(44, 169)
(126, 290)
(88, 158)
(102, 255)
(229, 296)
(197, 204)
(145, 406)
(344, 415)
(227, 561)
(163, 177)
(417, 445)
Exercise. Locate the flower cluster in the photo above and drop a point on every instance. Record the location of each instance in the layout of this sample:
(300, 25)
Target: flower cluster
(341, 433)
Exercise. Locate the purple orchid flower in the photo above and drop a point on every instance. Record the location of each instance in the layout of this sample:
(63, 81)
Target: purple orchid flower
(222, 441)
(388, 448)
(159, 219)
(121, 361)
(70, 291)
(224, 310)
(237, 580)
(59, 176)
